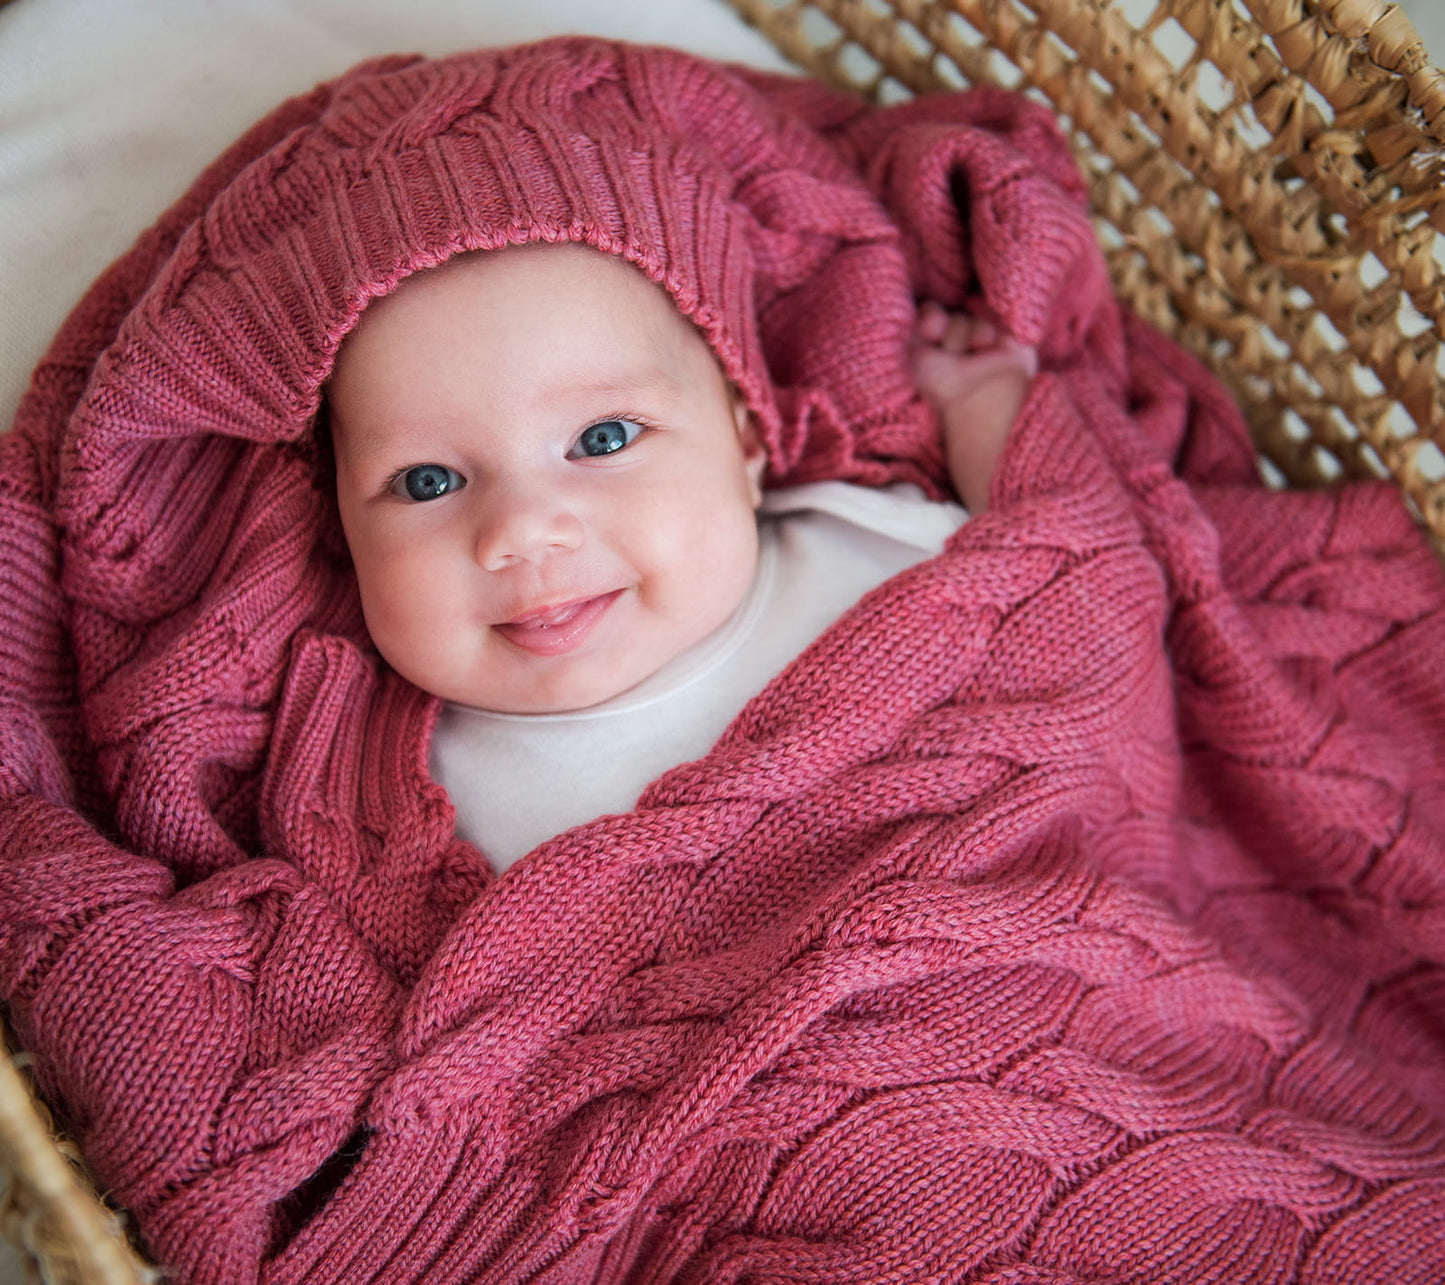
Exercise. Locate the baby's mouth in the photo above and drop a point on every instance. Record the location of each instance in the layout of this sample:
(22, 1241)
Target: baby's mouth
(557, 629)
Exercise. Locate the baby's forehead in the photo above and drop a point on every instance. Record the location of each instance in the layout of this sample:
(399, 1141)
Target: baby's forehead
(567, 295)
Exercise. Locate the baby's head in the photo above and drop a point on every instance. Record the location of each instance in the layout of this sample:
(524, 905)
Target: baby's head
(546, 481)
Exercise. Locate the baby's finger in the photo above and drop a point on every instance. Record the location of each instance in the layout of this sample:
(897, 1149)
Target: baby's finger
(931, 324)
(967, 334)
(1025, 356)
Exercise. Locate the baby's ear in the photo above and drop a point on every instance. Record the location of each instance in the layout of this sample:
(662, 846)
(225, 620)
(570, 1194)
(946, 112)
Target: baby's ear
(755, 454)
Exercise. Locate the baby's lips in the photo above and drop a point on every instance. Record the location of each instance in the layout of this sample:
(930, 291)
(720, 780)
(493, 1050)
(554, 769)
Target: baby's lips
(554, 630)
(546, 617)
(537, 605)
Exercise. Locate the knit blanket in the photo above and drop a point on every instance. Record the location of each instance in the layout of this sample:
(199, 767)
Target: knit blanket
(1072, 911)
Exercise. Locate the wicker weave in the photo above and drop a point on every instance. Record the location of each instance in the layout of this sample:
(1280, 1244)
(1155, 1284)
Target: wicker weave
(50, 1211)
(1269, 183)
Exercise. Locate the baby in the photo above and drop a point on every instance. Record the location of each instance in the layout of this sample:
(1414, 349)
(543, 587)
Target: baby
(551, 493)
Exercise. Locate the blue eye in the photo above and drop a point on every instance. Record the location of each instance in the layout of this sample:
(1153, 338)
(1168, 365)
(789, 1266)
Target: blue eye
(428, 482)
(604, 438)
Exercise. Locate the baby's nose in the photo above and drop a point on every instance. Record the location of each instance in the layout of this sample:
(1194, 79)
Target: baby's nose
(520, 525)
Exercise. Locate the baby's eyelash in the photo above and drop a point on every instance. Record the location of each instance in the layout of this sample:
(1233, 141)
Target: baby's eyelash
(388, 487)
(632, 417)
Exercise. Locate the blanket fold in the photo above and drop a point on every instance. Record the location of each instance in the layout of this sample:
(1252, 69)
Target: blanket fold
(1072, 911)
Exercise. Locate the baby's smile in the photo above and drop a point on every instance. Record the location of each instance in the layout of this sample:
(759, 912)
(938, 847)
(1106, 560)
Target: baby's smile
(553, 631)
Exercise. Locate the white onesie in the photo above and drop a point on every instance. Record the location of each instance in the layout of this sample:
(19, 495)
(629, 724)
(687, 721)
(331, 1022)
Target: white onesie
(518, 779)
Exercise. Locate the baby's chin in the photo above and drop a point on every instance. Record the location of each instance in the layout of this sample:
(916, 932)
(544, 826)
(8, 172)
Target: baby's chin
(564, 693)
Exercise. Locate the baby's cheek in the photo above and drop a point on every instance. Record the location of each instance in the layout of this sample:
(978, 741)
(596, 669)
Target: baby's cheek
(394, 610)
(731, 554)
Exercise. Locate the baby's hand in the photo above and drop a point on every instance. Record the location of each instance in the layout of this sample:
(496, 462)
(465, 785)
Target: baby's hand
(976, 375)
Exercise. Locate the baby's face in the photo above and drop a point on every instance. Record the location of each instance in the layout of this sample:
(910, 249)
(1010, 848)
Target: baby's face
(547, 486)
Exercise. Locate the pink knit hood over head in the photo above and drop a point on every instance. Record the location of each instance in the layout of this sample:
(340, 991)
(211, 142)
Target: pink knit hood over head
(1072, 910)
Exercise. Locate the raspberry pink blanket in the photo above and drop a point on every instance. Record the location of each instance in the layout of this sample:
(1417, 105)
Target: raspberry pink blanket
(1072, 911)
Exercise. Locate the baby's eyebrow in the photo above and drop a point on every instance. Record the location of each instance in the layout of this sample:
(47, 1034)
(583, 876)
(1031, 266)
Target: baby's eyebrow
(627, 383)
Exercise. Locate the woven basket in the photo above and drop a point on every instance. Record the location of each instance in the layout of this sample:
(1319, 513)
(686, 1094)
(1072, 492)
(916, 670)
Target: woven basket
(1269, 184)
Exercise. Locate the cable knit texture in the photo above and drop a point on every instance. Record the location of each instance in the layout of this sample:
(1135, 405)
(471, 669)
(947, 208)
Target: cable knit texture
(1072, 911)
